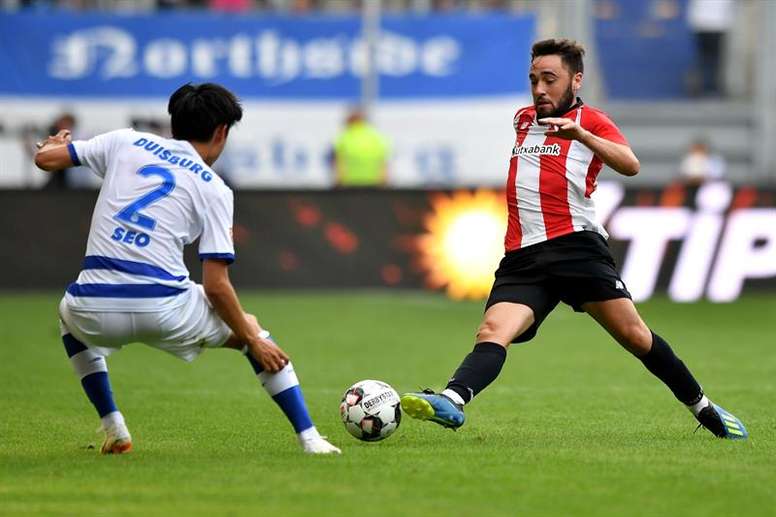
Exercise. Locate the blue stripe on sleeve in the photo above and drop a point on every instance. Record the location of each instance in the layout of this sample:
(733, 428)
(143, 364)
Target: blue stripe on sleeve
(227, 257)
(73, 154)
(129, 266)
(123, 290)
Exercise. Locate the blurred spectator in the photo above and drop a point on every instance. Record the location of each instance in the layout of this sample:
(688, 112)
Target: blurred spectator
(170, 4)
(63, 121)
(700, 164)
(710, 20)
(151, 125)
(231, 6)
(360, 154)
(444, 5)
(292, 6)
(305, 6)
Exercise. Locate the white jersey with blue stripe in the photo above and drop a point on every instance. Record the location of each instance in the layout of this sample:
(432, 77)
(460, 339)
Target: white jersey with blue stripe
(157, 196)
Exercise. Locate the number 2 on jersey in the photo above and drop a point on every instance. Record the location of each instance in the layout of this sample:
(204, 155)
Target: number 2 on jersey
(131, 212)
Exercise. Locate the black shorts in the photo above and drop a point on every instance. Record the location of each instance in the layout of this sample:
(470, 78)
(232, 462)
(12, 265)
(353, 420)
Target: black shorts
(573, 269)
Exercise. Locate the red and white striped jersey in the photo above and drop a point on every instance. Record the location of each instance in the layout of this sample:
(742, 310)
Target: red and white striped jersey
(551, 179)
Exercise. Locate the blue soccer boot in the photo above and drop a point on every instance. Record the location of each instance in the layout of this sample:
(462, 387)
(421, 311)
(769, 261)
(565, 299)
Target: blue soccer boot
(721, 423)
(434, 407)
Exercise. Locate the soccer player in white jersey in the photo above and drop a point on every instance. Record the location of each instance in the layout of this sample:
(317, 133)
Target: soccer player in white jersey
(556, 251)
(159, 195)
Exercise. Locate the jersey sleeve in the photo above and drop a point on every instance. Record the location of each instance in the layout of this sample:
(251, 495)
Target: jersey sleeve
(520, 116)
(216, 239)
(601, 125)
(96, 152)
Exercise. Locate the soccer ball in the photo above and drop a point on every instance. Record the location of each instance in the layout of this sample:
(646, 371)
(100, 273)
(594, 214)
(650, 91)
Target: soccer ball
(370, 410)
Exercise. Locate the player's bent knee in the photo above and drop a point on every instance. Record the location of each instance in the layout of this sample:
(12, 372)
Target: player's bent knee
(493, 332)
(88, 362)
(637, 338)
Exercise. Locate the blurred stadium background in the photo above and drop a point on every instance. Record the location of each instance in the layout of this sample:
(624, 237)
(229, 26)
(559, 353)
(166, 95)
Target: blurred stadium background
(690, 83)
(351, 279)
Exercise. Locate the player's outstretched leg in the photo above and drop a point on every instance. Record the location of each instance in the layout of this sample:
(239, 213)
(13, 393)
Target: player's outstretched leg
(503, 321)
(284, 389)
(477, 371)
(621, 319)
(666, 366)
(92, 369)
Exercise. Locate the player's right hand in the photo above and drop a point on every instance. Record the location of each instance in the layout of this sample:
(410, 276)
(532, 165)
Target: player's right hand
(271, 357)
(62, 137)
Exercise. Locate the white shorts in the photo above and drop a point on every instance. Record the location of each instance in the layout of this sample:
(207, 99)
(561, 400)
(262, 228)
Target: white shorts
(184, 331)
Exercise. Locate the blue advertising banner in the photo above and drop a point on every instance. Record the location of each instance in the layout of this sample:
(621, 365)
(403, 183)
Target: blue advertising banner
(646, 53)
(318, 57)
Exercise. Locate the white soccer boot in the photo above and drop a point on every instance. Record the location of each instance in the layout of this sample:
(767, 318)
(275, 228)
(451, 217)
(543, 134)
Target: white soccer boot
(117, 437)
(317, 444)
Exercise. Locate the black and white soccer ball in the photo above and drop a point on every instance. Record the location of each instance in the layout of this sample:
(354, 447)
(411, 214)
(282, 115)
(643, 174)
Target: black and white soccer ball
(370, 410)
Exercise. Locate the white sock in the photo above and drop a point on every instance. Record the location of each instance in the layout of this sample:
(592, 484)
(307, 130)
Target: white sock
(455, 397)
(309, 434)
(114, 419)
(696, 408)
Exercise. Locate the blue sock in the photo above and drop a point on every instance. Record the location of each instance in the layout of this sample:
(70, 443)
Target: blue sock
(97, 388)
(93, 371)
(284, 389)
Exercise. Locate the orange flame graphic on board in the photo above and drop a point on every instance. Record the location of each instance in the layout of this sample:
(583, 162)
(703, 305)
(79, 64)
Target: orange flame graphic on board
(464, 242)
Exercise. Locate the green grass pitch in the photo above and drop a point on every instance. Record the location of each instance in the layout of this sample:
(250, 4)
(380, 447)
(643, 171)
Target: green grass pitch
(574, 426)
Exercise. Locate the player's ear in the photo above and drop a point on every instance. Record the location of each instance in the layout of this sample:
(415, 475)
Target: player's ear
(220, 134)
(576, 81)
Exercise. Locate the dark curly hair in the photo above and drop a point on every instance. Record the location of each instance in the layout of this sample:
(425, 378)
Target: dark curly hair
(570, 52)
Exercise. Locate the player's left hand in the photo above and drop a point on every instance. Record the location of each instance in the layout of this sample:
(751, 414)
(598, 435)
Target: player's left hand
(562, 128)
(271, 357)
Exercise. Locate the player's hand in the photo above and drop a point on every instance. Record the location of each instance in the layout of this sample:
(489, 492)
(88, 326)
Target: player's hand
(62, 137)
(271, 357)
(562, 128)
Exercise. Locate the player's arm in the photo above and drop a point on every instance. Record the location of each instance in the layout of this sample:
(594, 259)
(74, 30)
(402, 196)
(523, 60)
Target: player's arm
(221, 293)
(53, 153)
(619, 157)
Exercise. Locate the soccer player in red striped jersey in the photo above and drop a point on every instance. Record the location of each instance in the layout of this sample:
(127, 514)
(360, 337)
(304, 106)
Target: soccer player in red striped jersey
(555, 249)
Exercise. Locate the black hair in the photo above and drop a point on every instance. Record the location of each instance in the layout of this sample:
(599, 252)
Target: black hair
(197, 110)
(570, 52)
